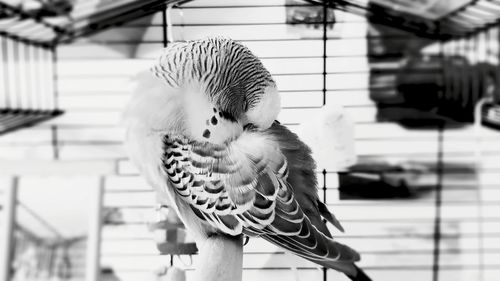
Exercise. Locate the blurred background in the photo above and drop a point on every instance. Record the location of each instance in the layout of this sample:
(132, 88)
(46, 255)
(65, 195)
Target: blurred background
(415, 177)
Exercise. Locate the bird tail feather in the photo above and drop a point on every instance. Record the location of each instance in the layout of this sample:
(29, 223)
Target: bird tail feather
(360, 275)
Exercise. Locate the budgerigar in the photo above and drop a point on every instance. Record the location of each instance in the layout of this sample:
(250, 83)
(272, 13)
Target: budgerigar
(201, 128)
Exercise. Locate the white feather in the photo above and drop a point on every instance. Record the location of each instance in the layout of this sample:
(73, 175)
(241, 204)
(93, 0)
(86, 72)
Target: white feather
(266, 110)
(330, 134)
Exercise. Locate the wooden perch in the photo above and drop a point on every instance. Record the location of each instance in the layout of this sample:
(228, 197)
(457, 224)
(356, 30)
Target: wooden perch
(220, 259)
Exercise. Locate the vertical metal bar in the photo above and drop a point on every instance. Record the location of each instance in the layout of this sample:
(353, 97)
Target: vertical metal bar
(170, 27)
(41, 90)
(27, 76)
(55, 142)
(325, 15)
(36, 78)
(164, 27)
(325, 37)
(486, 96)
(43, 78)
(438, 200)
(438, 207)
(497, 49)
(11, 76)
(49, 77)
(55, 78)
(3, 81)
(325, 270)
(478, 153)
(21, 76)
(7, 231)
(32, 65)
(92, 272)
(16, 73)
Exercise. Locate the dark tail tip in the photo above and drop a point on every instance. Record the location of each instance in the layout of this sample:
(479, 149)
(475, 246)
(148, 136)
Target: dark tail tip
(360, 276)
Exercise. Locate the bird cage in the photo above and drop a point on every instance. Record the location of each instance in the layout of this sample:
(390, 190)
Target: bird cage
(417, 81)
(29, 34)
(27, 71)
(28, 84)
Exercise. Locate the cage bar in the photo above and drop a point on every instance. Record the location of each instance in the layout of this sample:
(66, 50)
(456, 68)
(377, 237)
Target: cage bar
(27, 92)
(8, 215)
(93, 260)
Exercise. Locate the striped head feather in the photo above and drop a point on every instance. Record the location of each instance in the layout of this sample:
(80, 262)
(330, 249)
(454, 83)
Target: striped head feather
(223, 86)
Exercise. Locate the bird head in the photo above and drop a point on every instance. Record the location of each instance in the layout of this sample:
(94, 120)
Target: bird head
(209, 90)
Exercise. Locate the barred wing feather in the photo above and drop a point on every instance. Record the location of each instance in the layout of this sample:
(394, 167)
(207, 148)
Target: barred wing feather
(262, 184)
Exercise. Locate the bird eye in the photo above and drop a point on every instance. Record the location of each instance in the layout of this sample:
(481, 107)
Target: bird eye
(249, 127)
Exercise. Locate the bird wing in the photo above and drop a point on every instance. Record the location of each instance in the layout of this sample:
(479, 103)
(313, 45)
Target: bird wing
(314, 242)
(261, 184)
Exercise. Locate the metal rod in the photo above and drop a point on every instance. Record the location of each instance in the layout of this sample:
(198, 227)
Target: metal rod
(7, 237)
(3, 79)
(164, 27)
(496, 53)
(169, 26)
(325, 37)
(42, 89)
(92, 272)
(478, 153)
(15, 74)
(325, 270)
(49, 77)
(11, 78)
(55, 142)
(436, 263)
(21, 76)
(55, 78)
